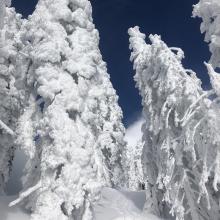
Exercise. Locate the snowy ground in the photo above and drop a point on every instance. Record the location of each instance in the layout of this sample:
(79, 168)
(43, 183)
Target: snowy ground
(114, 205)
(7, 213)
(121, 205)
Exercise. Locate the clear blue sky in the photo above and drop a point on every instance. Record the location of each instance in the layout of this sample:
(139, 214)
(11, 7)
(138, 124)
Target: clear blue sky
(171, 19)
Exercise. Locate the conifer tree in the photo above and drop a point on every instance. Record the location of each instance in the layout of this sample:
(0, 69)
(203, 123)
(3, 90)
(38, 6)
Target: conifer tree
(209, 11)
(133, 166)
(71, 130)
(181, 133)
(11, 92)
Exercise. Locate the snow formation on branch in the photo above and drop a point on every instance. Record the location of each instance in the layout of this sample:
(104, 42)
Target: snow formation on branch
(71, 131)
(209, 11)
(181, 134)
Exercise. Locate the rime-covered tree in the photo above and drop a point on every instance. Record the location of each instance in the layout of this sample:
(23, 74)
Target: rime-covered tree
(133, 166)
(136, 178)
(209, 11)
(11, 95)
(181, 132)
(71, 131)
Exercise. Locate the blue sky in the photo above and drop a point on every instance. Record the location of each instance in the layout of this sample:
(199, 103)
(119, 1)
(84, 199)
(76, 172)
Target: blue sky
(171, 19)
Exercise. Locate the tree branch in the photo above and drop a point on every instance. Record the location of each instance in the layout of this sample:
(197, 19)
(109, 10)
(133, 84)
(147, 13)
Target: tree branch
(25, 194)
(6, 128)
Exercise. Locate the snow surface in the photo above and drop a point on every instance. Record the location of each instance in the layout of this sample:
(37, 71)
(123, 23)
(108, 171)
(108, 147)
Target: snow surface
(116, 204)
(14, 213)
(113, 205)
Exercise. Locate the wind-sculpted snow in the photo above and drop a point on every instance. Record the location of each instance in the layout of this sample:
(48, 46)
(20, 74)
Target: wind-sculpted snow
(209, 11)
(181, 134)
(71, 130)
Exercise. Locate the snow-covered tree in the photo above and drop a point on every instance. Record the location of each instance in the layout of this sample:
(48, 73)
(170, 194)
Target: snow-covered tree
(133, 166)
(11, 95)
(181, 132)
(71, 130)
(209, 11)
